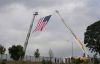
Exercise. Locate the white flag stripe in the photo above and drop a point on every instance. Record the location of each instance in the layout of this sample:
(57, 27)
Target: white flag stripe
(42, 23)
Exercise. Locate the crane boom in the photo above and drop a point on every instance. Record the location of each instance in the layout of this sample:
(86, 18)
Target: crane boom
(76, 38)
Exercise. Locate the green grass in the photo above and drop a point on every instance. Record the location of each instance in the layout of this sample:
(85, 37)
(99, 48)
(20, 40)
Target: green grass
(17, 62)
(26, 62)
(22, 62)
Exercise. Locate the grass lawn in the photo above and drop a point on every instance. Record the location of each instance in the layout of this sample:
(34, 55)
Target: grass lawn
(29, 62)
(20, 62)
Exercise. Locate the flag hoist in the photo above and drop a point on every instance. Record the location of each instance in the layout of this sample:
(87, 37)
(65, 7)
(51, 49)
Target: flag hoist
(76, 38)
(29, 32)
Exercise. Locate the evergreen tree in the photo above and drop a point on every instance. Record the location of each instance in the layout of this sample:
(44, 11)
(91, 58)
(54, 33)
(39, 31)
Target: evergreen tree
(37, 54)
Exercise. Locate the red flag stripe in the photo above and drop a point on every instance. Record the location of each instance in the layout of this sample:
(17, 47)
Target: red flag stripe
(42, 23)
(39, 25)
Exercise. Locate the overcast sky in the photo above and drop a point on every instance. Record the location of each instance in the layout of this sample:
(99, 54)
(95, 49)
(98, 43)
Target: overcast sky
(16, 16)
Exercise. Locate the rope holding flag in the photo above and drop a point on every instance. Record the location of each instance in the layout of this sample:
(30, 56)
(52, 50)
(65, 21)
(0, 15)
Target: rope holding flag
(42, 23)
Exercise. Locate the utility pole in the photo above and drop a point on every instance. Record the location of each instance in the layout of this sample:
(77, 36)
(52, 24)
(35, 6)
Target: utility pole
(29, 32)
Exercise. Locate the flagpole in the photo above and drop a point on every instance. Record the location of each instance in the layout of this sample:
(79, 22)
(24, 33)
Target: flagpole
(29, 32)
(77, 39)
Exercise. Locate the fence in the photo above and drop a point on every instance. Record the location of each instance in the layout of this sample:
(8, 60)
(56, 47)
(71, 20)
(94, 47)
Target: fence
(32, 58)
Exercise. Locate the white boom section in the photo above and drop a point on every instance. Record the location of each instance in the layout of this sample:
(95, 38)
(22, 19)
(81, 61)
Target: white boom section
(29, 32)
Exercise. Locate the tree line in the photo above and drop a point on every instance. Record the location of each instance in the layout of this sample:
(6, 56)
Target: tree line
(17, 53)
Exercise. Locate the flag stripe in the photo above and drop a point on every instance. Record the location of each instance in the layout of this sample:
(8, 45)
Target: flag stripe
(42, 23)
(39, 24)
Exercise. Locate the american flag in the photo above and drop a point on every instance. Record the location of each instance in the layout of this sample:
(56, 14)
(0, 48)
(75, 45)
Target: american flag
(42, 23)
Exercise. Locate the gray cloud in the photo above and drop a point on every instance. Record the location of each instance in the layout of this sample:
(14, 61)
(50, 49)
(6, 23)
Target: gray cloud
(34, 3)
(16, 15)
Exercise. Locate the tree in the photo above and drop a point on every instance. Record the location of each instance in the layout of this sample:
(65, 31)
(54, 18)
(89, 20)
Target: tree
(50, 54)
(16, 52)
(37, 54)
(92, 37)
(2, 50)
